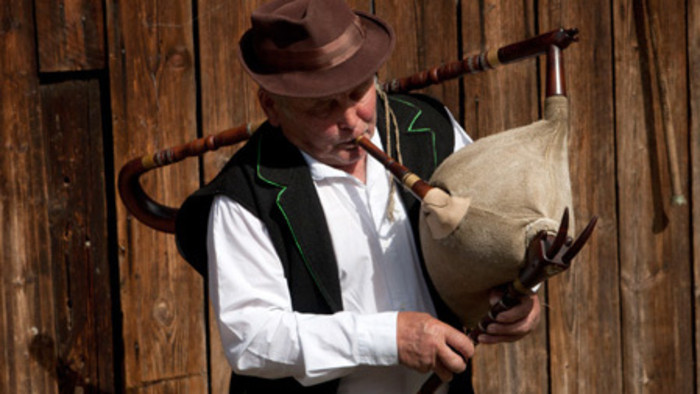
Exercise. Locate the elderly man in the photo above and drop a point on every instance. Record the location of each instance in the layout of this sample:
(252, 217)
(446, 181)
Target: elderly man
(313, 268)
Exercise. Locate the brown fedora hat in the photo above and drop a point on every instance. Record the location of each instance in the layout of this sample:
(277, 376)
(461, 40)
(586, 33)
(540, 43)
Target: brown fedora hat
(313, 48)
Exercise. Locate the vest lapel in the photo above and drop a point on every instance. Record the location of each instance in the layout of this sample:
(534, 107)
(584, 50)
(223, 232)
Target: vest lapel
(417, 137)
(300, 206)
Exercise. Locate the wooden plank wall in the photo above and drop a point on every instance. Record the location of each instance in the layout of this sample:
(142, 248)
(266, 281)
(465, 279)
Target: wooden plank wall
(56, 298)
(590, 291)
(655, 288)
(27, 289)
(153, 90)
(94, 300)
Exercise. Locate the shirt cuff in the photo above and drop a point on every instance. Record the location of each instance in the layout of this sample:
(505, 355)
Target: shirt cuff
(376, 339)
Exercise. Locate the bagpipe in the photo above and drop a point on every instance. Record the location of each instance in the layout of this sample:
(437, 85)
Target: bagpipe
(491, 213)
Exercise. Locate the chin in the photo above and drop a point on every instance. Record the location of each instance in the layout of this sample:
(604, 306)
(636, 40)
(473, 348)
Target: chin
(353, 156)
(346, 159)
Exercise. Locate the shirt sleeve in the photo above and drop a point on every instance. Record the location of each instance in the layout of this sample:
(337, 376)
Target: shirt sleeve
(261, 335)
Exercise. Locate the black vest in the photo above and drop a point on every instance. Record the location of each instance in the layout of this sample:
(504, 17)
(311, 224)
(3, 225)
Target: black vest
(270, 178)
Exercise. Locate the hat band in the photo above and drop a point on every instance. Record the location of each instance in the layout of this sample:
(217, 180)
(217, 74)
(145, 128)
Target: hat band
(324, 57)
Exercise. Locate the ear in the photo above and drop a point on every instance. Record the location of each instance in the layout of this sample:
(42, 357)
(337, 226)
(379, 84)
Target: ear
(270, 107)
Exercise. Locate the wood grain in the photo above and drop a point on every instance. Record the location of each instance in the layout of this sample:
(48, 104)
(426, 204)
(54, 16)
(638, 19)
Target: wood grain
(653, 236)
(26, 288)
(507, 97)
(72, 125)
(584, 317)
(229, 95)
(694, 148)
(228, 99)
(70, 35)
(426, 35)
(151, 53)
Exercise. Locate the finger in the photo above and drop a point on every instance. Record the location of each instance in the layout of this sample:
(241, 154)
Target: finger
(518, 312)
(460, 343)
(500, 332)
(488, 339)
(517, 328)
(451, 360)
(442, 372)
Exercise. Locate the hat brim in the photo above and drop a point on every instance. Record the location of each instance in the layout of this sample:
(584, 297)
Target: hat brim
(377, 46)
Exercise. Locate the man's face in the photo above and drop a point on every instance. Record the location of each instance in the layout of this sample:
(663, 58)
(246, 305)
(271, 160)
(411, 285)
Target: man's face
(325, 128)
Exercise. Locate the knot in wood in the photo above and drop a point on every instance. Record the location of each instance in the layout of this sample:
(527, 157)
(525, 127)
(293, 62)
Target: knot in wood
(163, 313)
(178, 58)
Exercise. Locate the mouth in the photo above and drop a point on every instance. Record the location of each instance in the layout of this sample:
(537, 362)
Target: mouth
(349, 146)
(365, 134)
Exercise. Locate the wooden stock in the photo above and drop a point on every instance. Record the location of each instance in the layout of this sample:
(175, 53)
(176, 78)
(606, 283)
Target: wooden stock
(162, 218)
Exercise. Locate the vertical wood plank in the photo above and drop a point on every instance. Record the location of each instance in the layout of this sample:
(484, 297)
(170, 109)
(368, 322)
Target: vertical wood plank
(228, 99)
(507, 97)
(654, 237)
(151, 55)
(70, 35)
(184, 385)
(26, 294)
(229, 95)
(426, 35)
(496, 101)
(694, 91)
(78, 226)
(584, 317)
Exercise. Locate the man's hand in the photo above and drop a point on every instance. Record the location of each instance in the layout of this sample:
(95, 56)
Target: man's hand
(514, 323)
(427, 344)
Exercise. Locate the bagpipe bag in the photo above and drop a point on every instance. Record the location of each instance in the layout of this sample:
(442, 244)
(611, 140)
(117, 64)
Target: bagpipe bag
(518, 183)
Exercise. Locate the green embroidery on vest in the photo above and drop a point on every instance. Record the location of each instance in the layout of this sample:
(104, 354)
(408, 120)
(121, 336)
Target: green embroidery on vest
(421, 130)
(283, 188)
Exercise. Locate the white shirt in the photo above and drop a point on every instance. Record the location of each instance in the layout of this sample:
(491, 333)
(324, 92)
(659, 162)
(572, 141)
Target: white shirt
(379, 275)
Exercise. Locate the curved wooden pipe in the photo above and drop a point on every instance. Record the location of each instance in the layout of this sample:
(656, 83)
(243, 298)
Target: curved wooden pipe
(140, 204)
(162, 218)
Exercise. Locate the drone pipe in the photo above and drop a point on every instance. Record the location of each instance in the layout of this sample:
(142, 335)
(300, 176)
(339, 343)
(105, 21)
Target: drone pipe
(539, 45)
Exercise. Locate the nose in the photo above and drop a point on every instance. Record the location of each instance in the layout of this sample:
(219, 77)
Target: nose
(349, 119)
(353, 113)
